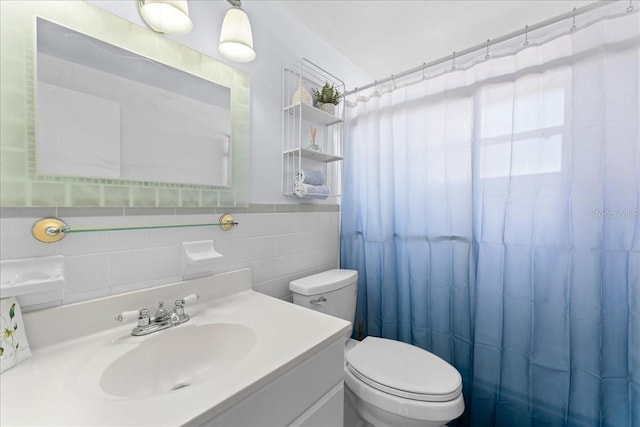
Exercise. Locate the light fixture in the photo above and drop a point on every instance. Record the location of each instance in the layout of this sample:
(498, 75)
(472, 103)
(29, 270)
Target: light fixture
(166, 16)
(236, 40)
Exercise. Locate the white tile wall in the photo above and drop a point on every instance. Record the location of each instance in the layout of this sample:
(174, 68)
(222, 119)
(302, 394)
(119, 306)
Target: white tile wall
(278, 247)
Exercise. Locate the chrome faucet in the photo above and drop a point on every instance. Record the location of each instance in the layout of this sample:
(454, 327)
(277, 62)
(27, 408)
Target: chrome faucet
(162, 319)
(161, 314)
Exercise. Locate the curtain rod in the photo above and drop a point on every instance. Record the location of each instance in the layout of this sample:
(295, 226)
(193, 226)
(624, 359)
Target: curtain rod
(575, 12)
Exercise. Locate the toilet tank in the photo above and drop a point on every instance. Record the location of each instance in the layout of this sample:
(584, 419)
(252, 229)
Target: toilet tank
(332, 292)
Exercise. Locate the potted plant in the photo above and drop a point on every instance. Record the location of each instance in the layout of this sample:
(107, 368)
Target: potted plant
(327, 98)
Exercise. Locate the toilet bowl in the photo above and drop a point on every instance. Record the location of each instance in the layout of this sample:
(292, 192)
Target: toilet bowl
(388, 383)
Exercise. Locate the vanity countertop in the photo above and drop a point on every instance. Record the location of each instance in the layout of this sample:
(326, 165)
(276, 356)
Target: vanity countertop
(59, 384)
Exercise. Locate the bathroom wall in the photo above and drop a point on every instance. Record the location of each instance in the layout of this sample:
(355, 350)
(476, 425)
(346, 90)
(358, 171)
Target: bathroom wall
(279, 242)
(279, 238)
(279, 41)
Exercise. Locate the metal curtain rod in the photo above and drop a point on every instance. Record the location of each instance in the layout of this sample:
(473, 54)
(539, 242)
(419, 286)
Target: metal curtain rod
(488, 43)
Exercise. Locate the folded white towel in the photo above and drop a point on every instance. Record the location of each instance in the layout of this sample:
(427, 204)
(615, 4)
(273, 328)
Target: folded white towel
(13, 340)
(312, 177)
(306, 191)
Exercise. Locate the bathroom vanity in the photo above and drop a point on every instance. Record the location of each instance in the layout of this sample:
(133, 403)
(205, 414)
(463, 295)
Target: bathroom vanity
(243, 359)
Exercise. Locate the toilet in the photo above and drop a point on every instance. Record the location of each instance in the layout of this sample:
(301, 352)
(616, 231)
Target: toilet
(388, 383)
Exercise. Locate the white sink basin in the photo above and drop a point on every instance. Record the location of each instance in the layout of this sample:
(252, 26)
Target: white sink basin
(91, 372)
(176, 358)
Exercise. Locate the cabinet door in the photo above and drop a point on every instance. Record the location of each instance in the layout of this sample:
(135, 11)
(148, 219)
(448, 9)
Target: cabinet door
(328, 411)
(287, 397)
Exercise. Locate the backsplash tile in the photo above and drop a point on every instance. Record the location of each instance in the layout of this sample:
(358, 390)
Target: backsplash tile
(278, 247)
(85, 195)
(48, 193)
(85, 273)
(116, 195)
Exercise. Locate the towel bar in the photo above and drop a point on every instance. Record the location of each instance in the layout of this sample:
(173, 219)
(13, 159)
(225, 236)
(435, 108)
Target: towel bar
(49, 230)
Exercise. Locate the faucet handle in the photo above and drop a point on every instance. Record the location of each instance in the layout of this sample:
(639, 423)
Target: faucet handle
(189, 299)
(179, 307)
(143, 318)
(127, 316)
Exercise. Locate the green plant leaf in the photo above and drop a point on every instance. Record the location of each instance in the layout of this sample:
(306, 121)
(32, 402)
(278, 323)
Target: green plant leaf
(12, 311)
(328, 94)
(7, 333)
(15, 327)
(1, 351)
(17, 345)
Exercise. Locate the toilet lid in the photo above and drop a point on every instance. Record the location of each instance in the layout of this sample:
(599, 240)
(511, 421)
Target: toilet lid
(404, 370)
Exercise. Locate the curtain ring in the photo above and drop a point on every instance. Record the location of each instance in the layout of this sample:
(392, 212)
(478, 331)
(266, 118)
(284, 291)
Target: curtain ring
(573, 27)
(526, 36)
(630, 8)
(487, 56)
(393, 81)
(453, 61)
(424, 65)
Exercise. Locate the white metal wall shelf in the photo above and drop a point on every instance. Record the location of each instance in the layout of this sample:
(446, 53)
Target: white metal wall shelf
(301, 121)
(313, 114)
(315, 155)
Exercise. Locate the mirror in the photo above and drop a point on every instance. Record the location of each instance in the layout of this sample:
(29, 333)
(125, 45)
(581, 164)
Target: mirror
(117, 159)
(106, 112)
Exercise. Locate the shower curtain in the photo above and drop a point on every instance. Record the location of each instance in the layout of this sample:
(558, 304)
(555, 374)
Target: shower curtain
(492, 210)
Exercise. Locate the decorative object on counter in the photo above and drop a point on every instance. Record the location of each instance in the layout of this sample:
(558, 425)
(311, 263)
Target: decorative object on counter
(313, 146)
(311, 177)
(306, 191)
(302, 95)
(327, 98)
(14, 347)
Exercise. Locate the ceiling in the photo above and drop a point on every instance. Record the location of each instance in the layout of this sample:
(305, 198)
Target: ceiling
(385, 37)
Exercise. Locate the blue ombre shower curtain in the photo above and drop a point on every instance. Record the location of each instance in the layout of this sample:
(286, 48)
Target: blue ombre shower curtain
(492, 209)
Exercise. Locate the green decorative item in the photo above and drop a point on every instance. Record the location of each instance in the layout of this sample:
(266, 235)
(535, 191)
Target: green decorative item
(14, 347)
(327, 97)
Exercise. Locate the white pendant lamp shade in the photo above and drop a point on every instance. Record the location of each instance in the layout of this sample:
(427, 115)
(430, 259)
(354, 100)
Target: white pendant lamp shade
(236, 40)
(166, 16)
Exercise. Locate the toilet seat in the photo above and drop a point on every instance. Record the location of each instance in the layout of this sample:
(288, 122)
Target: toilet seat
(442, 412)
(403, 370)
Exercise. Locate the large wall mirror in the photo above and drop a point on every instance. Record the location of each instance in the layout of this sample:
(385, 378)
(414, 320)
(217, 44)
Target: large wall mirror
(116, 115)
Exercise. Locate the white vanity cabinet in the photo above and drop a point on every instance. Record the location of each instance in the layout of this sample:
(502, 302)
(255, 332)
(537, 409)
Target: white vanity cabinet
(312, 136)
(308, 394)
(244, 359)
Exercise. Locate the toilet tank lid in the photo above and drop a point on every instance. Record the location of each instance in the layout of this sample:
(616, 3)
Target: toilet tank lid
(326, 281)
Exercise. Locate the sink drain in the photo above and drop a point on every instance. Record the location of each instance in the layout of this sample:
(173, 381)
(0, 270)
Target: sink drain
(179, 386)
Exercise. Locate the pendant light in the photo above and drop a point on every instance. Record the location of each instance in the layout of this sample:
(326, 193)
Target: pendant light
(236, 40)
(166, 16)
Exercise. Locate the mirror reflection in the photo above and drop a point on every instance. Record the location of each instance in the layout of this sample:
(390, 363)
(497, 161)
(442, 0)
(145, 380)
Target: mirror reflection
(106, 112)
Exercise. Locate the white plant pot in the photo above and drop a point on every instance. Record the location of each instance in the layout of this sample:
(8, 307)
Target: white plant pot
(327, 108)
